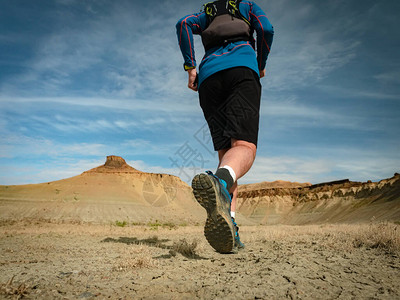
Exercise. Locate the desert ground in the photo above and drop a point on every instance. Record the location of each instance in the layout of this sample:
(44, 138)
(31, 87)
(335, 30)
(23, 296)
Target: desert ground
(42, 260)
(114, 232)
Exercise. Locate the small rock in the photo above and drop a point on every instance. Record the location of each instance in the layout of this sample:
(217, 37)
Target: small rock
(86, 295)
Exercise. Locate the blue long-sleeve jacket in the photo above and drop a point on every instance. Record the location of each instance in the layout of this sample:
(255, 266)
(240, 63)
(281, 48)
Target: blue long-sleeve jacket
(236, 54)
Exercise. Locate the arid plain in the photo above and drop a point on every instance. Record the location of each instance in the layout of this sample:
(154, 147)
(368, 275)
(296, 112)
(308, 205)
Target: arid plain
(114, 232)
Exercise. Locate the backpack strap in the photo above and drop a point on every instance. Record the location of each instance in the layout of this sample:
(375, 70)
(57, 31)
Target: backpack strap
(210, 9)
(233, 8)
(235, 11)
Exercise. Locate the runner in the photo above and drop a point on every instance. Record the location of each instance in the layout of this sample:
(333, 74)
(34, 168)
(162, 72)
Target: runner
(229, 89)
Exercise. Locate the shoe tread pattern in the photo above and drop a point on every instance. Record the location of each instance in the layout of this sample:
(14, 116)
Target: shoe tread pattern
(218, 229)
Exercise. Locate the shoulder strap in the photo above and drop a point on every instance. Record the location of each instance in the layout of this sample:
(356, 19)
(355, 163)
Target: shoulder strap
(233, 8)
(210, 9)
(219, 7)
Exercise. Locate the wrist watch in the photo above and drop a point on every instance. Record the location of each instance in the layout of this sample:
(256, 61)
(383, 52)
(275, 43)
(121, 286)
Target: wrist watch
(187, 68)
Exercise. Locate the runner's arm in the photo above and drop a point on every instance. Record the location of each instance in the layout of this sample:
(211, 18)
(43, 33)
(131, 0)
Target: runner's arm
(185, 28)
(264, 31)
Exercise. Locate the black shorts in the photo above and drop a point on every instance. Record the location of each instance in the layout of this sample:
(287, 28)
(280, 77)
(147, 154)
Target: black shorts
(230, 100)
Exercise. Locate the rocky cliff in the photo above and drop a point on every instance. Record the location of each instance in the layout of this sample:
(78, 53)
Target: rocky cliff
(114, 164)
(337, 201)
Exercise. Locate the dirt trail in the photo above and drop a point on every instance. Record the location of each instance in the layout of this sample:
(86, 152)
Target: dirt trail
(62, 261)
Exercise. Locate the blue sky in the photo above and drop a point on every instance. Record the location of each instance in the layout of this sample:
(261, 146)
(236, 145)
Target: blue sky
(83, 79)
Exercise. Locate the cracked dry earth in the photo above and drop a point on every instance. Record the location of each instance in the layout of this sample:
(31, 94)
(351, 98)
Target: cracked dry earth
(61, 261)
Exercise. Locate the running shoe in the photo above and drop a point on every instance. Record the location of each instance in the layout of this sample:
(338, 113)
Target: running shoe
(211, 193)
(238, 243)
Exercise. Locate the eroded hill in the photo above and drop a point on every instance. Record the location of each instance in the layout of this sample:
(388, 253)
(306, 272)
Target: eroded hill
(339, 201)
(112, 192)
(116, 191)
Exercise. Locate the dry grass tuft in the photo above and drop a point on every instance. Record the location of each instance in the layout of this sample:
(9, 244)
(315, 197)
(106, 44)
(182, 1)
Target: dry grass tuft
(136, 263)
(19, 291)
(139, 262)
(186, 249)
(135, 258)
(383, 236)
(342, 237)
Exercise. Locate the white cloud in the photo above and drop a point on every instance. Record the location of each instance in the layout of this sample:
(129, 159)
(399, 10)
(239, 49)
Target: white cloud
(287, 168)
(124, 47)
(176, 106)
(361, 93)
(135, 147)
(348, 163)
(25, 147)
(50, 170)
(307, 48)
(390, 77)
(294, 113)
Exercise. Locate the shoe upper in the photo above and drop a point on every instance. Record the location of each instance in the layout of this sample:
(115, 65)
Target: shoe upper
(222, 186)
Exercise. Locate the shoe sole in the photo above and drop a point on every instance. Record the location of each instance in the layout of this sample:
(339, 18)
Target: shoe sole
(218, 229)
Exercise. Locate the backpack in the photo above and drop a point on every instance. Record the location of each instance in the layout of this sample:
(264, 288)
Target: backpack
(225, 24)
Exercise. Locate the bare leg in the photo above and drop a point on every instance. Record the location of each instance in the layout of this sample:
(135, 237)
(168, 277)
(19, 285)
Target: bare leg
(240, 158)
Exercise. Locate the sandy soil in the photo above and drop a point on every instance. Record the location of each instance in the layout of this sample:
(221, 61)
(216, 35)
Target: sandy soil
(82, 261)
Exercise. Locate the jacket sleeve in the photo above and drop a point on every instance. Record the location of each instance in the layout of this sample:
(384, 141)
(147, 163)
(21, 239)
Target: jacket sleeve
(264, 31)
(185, 28)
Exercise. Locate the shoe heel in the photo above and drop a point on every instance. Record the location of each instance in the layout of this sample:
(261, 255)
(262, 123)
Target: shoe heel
(203, 191)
